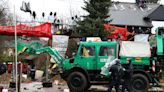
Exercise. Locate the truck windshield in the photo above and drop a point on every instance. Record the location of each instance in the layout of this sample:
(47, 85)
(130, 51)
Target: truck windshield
(88, 51)
(106, 51)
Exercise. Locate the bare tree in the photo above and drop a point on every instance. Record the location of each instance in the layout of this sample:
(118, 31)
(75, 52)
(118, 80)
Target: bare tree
(6, 18)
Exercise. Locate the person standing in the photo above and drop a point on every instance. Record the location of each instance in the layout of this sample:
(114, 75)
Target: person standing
(55, 23)
(51, 18)
(42, 20)
(127, 76)
(115, 76)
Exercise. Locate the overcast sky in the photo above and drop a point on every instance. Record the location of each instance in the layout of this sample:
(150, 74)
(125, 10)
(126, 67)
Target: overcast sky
(64, 8)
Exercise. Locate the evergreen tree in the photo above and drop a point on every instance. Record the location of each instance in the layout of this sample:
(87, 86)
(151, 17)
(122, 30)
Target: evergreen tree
(92, 24)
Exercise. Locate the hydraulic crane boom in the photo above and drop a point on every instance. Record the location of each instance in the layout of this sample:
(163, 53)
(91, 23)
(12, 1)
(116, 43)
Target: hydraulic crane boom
(54, 53)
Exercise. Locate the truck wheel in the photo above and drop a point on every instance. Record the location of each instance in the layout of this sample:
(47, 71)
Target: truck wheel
(139, 83)
(77, 82)
(88, 86)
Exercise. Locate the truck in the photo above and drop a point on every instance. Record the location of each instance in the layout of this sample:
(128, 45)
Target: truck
(158, 51)
(83, 70)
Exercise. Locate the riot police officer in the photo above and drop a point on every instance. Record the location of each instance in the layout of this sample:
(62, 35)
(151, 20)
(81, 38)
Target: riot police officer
(115, 76)
(127, 75)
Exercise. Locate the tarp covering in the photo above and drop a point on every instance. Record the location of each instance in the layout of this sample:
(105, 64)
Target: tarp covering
(135, 49)
(60, 43)
(141, 38)
(117, 31)
(42, 30)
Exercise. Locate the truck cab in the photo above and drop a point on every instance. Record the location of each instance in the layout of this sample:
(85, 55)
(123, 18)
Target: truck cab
(84, 69)
(92, 55)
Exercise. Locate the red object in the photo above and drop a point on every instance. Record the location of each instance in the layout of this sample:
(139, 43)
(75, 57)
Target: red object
(42, 30)
(24, 68)
(9, 68)
(117, 31)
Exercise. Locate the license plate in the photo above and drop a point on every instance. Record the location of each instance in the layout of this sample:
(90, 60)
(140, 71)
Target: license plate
(138, 59)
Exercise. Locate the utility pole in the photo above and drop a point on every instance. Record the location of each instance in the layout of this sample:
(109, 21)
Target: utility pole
(16, 69)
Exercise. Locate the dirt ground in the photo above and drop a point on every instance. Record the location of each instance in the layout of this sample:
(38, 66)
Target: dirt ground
(58, 86)
(37, 87)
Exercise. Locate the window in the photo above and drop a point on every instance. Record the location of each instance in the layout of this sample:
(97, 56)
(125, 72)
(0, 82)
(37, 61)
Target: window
(106, 51)
(88, 51)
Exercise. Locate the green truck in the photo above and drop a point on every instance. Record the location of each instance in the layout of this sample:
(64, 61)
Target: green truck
(83, 70)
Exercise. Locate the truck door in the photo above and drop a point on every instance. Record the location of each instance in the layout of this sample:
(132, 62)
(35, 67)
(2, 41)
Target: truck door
(106, 54)
(87, 57)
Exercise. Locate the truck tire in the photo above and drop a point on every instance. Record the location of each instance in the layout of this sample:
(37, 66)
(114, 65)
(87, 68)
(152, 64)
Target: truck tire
(88, 86)
(139, 83)
(3, 68)
(77, 82)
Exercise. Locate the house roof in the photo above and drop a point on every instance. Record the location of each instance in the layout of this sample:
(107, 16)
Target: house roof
(157, 14)
(130, 14)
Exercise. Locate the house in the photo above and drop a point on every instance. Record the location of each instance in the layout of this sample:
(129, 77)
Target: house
(157, 14)
(135, 16)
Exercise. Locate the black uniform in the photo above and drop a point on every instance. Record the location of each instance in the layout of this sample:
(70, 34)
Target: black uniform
(127, 77)
(115, 77)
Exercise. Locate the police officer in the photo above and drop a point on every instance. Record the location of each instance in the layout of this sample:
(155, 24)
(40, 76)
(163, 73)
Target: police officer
(127, 75)
(115, 77)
